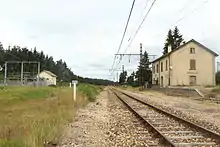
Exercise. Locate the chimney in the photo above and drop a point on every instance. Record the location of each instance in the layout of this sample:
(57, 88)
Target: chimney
(183, 42)
(169, 48)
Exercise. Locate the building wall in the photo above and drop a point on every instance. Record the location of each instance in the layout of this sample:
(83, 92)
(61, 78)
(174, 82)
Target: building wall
(205, 66)
(162, 75)
(179, 68)
(155, 74)
(50, 79)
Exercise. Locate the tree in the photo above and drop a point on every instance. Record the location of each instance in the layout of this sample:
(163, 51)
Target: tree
(169, 41)
(144, 73)
(130, 79)
(217, 78)
(60, 68)
(174, 38)
(177, 38)
(122, 78)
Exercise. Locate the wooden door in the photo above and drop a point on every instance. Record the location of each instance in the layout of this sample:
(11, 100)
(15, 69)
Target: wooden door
(192, 80)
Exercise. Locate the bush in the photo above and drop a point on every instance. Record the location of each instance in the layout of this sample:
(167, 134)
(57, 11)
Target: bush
(52, 85)
(89, 90)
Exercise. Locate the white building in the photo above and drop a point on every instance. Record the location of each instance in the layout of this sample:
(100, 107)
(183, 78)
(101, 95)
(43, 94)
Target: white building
(49, 77)
(189, 64)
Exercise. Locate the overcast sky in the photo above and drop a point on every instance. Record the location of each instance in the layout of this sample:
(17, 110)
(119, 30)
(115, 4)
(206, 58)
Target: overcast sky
(86, 33)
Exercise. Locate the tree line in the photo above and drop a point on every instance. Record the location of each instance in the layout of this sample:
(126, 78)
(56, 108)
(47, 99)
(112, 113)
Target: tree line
(60, 68)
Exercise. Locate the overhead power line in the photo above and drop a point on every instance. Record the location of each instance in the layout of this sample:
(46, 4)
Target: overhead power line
(145, 7)
(185, 16)
(135, 34)
(124, 33)
(139, 27)
(192, 11)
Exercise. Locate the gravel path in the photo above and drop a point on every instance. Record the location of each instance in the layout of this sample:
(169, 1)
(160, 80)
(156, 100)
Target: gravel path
(90, 126)
(106, 123)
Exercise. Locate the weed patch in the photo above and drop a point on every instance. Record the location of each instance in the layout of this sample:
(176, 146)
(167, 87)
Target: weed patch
(89, 90)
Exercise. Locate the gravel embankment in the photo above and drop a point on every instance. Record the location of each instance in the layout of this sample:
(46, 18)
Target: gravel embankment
(204, 113)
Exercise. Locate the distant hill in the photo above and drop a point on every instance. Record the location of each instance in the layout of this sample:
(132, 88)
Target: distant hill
(60, 68)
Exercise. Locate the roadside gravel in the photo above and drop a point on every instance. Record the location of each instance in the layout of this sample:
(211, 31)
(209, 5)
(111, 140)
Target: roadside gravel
(202, 112)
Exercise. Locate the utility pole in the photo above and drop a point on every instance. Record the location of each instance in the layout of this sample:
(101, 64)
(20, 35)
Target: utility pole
(38, 72)
(5, 79)
(218, 64)
(140, 55)
(140, 80)
(22, 72)
(123, 68)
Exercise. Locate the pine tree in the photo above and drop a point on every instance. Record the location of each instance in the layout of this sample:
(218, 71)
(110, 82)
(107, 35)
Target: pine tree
(122, 77)
(130, 79)
(174, 38)
(177, 38)
(60, 68)
(144, 73)
(169, 41)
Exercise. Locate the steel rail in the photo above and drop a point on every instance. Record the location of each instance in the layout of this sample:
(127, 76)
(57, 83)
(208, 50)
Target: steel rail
(211, 134)
(165, 140)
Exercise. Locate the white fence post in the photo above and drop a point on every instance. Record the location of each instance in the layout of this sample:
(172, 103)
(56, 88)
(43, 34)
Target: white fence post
(74, 89)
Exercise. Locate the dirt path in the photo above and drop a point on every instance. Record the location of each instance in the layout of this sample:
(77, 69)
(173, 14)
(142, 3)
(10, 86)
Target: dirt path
(90, 126)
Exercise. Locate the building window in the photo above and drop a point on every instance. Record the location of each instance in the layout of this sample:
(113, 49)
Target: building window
(161, 67)
(157, 68)
(166, 65)
(192, 64)
(153, 69)
(192, 50)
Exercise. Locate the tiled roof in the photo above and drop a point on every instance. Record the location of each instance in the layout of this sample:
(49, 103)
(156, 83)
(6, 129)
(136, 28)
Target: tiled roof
(50, 73)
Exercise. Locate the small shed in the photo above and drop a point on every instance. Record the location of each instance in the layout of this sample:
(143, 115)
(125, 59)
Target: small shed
(49, 77)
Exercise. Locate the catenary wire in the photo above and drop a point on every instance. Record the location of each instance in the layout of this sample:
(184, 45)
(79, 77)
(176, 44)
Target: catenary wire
(139, 27)
(124, 33)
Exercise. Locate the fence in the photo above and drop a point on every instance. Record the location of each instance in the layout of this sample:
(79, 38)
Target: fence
(25, 83)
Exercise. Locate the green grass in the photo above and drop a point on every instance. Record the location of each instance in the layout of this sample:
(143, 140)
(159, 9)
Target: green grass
(89, 90)
(33, 116)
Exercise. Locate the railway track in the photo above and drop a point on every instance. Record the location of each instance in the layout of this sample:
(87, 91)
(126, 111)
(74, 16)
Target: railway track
(213, 100)
(172, 130)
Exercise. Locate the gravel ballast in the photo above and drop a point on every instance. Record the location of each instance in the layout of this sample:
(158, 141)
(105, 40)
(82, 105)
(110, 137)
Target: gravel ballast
(201, 112)
(125, 128)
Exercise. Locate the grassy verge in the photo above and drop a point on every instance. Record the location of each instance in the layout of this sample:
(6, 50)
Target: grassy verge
(29, 117)
(90, 91)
